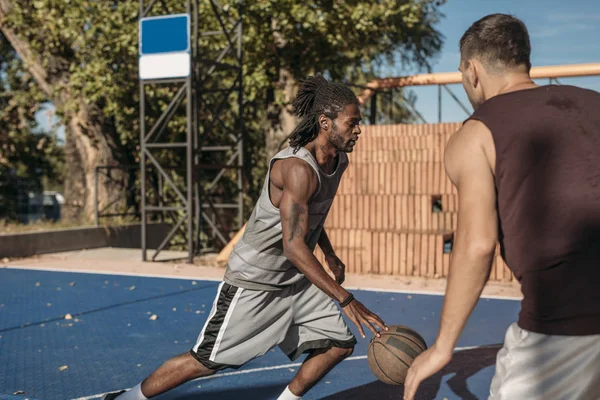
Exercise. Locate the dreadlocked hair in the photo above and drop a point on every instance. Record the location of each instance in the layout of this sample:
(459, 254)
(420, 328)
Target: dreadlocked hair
(317, 96)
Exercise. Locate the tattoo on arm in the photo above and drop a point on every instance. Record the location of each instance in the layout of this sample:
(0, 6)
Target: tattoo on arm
(296, 219)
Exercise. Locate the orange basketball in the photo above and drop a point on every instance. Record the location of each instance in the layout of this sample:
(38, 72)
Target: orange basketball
(392, 354)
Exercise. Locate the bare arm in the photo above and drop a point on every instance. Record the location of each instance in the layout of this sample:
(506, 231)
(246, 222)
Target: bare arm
(477, 230)
(325, 244)
(299, 184)
(336, 266)
(469, 169)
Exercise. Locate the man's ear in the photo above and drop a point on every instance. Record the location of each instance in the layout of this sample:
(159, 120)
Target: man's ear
(472, 70)
(324, 122)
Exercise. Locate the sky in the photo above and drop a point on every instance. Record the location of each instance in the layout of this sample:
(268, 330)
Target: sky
(562, 32)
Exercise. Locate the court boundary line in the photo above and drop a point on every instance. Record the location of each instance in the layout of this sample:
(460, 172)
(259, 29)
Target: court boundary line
(195, 278)
(276, 367)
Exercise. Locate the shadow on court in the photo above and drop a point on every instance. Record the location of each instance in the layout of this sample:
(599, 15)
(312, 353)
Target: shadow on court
(257, 392)
(464, 364)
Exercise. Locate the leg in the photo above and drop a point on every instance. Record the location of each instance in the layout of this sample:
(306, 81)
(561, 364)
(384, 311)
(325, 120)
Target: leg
(315, 367)
(319, 330)
(242, 325)
(173, 373)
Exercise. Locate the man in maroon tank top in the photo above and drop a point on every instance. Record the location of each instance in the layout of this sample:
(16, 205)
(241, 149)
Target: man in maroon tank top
(526, 166)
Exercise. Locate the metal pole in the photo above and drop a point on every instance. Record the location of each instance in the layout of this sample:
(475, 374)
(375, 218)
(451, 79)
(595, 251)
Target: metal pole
(96, 211)
(196, 134)
(143, 155)
(189, 157)
(241, 119)
(373, 116)
(392, 106)
(160, 195)
(457, 100)
(440, 104)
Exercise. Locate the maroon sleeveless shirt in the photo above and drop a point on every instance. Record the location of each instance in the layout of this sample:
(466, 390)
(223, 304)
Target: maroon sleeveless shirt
(547, 142)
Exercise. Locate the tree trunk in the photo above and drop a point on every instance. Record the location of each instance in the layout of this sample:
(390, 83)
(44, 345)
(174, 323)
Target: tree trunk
(87, 147)
(91, 140)
(281, 119)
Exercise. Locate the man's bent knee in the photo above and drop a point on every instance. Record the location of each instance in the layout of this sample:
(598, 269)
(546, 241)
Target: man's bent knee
(193, 368)
(342, 352)
(200, 370)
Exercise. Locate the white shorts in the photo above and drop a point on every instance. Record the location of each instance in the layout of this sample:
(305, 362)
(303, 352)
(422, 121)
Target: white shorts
(534, 366)
(245, 324)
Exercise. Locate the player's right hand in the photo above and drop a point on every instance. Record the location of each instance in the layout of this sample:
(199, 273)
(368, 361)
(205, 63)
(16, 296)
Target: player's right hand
(359, 315)
(428, 363)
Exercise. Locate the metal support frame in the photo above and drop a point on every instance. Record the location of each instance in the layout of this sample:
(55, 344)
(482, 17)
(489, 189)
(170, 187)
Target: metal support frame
(392, 100)
(219, 149)
(193, 206)
(441, 87)
(101, 214)
(149, 141)
(373, 116)
(454, 97)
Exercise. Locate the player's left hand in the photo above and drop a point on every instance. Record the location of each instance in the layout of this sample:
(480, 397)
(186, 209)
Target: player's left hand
(337, 267)
(425, 365)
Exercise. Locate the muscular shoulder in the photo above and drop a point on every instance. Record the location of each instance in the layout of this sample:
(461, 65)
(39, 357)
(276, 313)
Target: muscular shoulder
(294, 174)
(473, 142)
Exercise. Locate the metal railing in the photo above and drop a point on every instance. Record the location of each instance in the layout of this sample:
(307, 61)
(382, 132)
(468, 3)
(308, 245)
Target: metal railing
(372, 90)
(105, 170)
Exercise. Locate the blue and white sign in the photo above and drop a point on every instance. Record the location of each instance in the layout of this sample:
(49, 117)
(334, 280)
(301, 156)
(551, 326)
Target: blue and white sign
(164, 48)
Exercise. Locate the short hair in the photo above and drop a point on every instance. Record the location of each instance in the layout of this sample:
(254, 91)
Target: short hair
(498, 40)
(317, 96)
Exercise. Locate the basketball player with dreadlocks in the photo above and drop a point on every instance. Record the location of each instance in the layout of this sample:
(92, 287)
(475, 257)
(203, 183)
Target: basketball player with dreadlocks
(275, 292)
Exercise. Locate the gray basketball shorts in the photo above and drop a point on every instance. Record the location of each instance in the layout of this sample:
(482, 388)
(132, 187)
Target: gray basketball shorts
(534, 366)
(244, 324)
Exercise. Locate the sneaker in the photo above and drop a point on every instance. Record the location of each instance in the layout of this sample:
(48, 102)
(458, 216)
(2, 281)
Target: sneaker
(113, 395)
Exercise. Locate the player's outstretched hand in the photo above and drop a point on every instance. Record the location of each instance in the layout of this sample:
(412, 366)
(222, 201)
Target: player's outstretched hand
(428, 363)
(360, 315)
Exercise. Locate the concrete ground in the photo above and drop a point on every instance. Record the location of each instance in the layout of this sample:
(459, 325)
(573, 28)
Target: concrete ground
(173, 264)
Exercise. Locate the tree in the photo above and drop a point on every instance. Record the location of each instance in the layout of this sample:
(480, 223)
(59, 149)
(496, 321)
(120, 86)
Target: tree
(65, 50)
(83, 56)
(28, 155)
(343, 39)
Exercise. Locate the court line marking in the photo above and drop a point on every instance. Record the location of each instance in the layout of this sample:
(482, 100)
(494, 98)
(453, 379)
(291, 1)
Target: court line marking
(117, 273)
(196, 278)
(276, 367)
(424, 292)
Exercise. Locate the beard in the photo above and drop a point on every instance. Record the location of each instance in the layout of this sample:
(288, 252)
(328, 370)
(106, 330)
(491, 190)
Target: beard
(340, 142)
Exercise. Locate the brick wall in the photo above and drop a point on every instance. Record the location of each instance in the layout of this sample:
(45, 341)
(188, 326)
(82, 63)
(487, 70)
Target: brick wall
(395, 211)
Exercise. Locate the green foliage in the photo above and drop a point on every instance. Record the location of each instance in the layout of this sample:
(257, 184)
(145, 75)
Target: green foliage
(89, 52)
(26, 158)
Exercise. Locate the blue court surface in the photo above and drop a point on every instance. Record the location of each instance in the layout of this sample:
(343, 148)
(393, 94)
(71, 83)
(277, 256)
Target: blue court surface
(111, 342)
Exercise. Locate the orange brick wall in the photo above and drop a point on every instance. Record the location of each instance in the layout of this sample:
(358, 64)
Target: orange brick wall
(382, 221)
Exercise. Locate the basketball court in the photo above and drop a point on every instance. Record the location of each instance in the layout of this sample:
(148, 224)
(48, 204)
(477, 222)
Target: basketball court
(112, 340)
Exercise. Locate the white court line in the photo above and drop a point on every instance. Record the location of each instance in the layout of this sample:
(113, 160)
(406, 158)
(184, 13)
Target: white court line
(249, 371)
(198, 278)
(404, 291)
(101, 272)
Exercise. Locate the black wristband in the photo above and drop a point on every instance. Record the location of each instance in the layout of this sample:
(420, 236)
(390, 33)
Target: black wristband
(347, 300)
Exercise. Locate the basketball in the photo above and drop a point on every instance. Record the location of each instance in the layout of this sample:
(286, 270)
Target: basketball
(392, 354)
